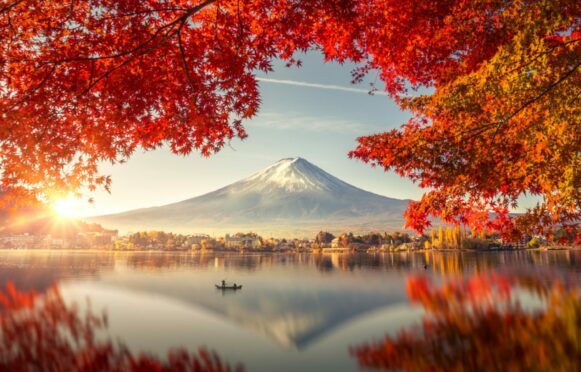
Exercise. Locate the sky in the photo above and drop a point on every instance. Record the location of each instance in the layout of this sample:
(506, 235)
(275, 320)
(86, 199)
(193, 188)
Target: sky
(313, 112)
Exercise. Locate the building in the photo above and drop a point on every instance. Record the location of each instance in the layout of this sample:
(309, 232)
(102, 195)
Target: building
(197, 239)
(335, 243)
(242, 241)
(18, 241)
(99, 238)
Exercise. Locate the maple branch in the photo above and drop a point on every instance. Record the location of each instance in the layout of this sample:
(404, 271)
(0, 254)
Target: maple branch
(111, 56)
(33, 90)
(182, 20)
(183, 54)
(140, 12)
(500, 123)
(10, 6)
(128, 52)
(543, 93)
(550, 87)
(216, 21)
(122, 64)
(9, 18)
(91, 75)
(178, 20)
(539, 55)
(239, 25)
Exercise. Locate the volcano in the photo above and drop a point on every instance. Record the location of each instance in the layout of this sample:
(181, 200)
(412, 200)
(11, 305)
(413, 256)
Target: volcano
(292, 197)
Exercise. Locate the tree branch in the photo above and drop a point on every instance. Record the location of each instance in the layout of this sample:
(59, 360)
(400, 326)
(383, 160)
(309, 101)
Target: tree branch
(183, 54)
(182, 20)
(10, 6)
(137, 51)
(178, 20)
(33, 90)
(530, 102)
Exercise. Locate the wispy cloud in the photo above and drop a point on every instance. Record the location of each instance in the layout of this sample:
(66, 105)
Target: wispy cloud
(294, 121)
(319, 86)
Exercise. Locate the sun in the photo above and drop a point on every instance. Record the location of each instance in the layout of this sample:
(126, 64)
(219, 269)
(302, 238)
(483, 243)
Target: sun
(66, 207)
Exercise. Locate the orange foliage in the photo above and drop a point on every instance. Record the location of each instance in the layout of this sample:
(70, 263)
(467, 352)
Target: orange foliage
(503, 116)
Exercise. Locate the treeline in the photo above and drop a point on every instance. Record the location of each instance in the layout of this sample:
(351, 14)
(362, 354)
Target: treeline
(376, 239)
(155, 240)
(458, 238)
(450, 237)
(344, 240)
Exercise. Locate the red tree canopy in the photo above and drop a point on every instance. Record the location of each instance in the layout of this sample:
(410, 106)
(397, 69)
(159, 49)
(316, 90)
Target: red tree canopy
(87, 81)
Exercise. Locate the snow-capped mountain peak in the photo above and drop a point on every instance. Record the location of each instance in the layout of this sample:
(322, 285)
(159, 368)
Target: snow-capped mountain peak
(293, 175)
(289, 195)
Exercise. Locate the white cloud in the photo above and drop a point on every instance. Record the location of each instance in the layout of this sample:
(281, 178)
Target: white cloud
(318, 86)
(290, 121)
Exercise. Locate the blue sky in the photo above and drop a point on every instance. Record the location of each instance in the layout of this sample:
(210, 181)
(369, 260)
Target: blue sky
(320, 125)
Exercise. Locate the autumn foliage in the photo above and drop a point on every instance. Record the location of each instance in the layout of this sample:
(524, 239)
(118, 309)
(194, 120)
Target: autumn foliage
(42, 332)
(493, 87)
(502, 117)
(479, 324)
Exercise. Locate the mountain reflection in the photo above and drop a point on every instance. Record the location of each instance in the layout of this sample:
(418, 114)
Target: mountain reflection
(39, 331)
(482, 322)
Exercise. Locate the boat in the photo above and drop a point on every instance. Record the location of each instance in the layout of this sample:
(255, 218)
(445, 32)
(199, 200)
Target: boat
(228, 286)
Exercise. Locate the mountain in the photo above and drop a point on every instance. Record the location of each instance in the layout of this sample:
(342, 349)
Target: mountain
(291, 197)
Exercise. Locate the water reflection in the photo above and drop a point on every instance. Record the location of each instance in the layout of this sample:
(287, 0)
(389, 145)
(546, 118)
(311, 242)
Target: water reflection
(296, 311)
(42, 332)
(445, 263)
(479, 322)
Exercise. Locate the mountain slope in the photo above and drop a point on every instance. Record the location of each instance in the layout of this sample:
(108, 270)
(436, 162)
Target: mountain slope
(292, 195)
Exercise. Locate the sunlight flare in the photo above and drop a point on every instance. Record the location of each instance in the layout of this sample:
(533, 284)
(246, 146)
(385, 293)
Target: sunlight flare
(68, 207)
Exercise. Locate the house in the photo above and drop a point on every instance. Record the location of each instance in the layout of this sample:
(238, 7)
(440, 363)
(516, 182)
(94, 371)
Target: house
(18, 241)
(335, 243)
(242, 241)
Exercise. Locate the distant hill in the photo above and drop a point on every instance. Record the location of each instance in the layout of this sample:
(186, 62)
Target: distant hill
(292, 197)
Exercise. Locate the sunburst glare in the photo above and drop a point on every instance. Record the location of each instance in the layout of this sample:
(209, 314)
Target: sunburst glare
(69, 207)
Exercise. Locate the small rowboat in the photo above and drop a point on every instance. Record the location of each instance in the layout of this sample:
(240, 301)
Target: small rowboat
(228, 286)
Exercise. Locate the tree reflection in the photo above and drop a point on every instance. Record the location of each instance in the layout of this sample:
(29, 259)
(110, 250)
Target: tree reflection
(41, 332)
(480, 324)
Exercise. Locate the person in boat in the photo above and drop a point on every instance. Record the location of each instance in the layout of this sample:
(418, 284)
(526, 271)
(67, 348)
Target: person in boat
(223, 283)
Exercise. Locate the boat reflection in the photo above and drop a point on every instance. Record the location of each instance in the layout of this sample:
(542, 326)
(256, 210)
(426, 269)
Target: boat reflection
(497, 322)
(40, 331)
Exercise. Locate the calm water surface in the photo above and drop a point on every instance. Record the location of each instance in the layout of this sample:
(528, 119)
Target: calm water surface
(296, 312)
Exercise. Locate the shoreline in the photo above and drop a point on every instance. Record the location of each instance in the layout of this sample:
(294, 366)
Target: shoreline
(317, 251)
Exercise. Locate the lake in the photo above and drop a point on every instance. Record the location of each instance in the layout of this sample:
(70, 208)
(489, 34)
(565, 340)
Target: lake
(302, 312)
